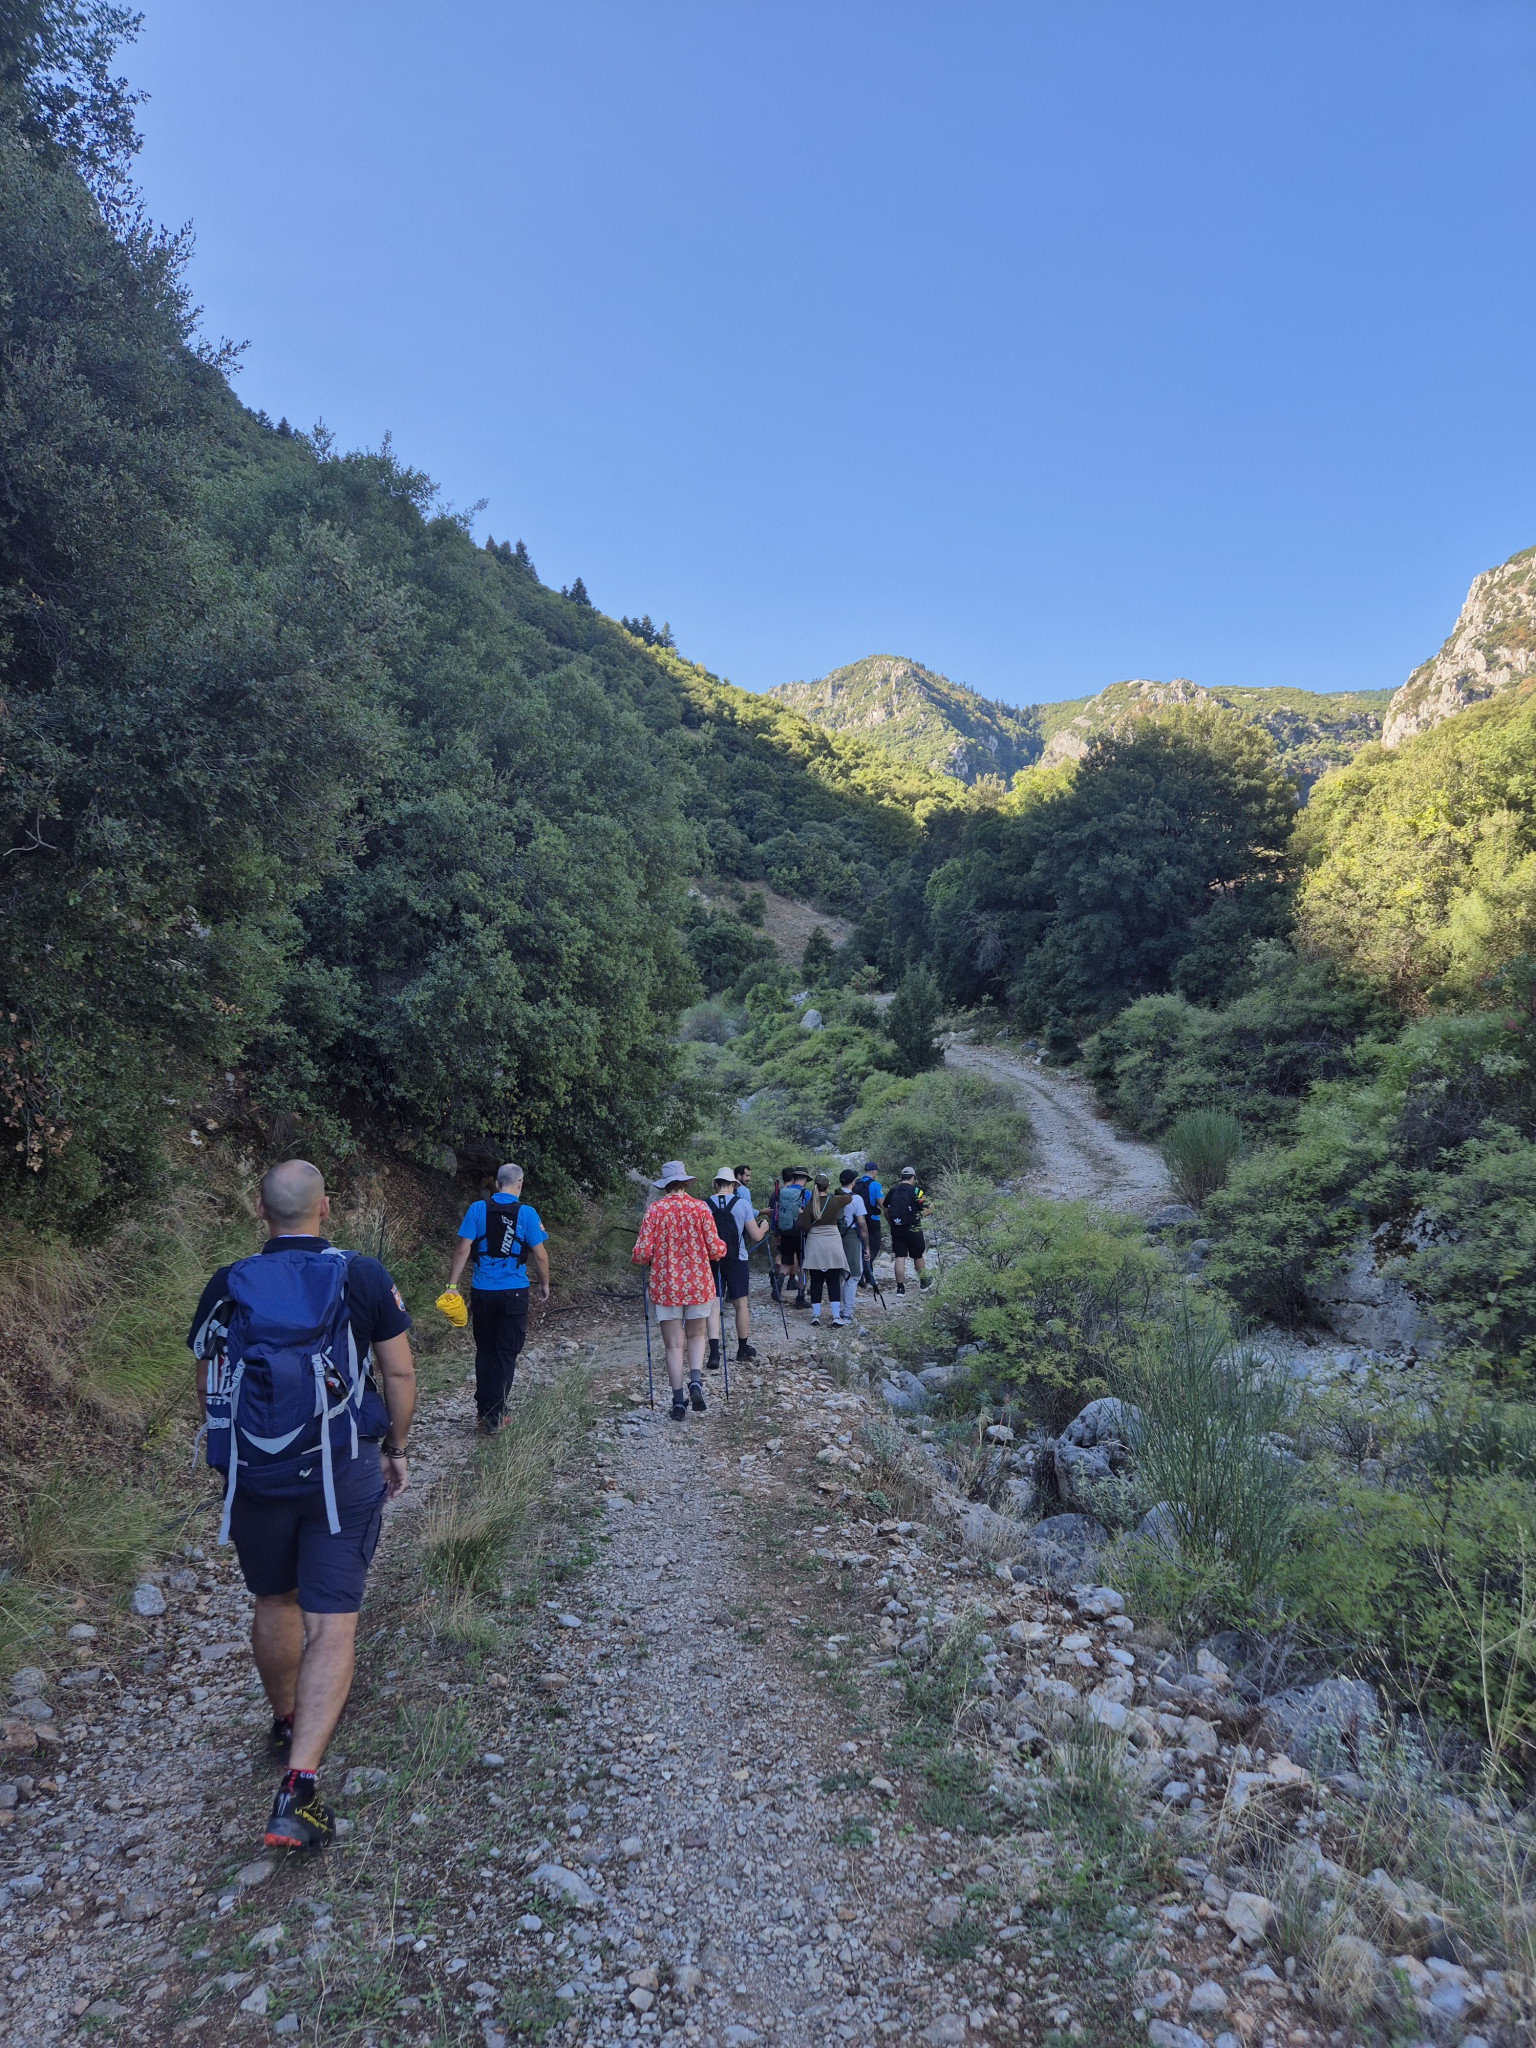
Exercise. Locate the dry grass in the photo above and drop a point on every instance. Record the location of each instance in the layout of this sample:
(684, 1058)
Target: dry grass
(474, 1522)
(899, 1472)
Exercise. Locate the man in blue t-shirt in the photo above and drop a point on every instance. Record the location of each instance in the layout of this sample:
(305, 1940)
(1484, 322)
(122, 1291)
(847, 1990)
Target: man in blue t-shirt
(507, 1241)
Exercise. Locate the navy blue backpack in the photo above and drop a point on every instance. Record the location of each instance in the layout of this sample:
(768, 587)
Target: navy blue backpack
(287, 1392)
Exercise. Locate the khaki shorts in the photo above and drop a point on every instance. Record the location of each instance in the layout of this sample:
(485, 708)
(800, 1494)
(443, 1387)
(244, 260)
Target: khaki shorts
(682, 1312)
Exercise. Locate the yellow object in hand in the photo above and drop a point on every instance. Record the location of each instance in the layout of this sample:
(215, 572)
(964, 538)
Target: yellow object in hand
(451, 1302)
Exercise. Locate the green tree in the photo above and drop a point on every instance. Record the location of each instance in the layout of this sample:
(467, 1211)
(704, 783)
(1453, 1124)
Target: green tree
(911, 1018)
(1103, 888)
(818, 958)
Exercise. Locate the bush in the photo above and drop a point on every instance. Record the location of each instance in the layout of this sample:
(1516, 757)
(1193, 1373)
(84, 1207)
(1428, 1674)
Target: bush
(711, 1022)
(1200, 1150)
(1297, 1022)
(1202, 1443)
(1058, 1293)
(1478, 1269)
(941, 1122)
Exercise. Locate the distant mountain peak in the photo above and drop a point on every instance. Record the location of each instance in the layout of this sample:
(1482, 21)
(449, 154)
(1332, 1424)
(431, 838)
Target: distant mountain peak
(911, 710)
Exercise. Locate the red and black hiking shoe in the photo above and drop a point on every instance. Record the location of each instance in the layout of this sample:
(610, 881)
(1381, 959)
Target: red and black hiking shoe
(299, 1821)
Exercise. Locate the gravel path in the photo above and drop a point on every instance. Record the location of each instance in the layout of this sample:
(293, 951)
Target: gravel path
(1081, 1157)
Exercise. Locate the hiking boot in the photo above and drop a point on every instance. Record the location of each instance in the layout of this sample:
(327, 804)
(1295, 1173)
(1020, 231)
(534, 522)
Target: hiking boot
(280, 1737)
(800, 1302)
(679, 1406)
(491, 1425)
(744, 1350)
(901, 1286)
(299, 1822)
(712, 1362)
(696, 1396)
(923, 1281)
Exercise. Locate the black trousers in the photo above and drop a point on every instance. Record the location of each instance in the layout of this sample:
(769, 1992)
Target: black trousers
(500, 1322)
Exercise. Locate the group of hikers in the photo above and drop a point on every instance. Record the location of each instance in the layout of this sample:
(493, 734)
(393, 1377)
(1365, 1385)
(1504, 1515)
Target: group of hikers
(308, 1385)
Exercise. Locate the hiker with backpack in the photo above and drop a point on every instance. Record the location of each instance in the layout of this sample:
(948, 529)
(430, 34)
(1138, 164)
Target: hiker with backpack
(904, 1207)
(870, 1193)
(853, 1228)
(737, 1222)
(826, 1263)
(789, 1198)
(506, 1239)
(308, 1389)
(679, 1242)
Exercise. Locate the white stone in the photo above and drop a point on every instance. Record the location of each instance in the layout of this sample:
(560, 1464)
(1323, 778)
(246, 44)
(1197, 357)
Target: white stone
(29, 1682)
(948, 2031)
(1250, 1916)
(149, 1600)
(555, 1880)
(1200, 1737)
(1208, 1997)
(1107, 1712)
(631, 1848)
(945, 1912)
(256, 2002)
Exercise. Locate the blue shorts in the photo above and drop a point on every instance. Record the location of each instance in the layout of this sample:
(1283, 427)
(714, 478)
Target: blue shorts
(287, 1544)
(737, 1275)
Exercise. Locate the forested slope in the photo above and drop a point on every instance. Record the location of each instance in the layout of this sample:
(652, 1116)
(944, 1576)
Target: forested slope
(302, 786)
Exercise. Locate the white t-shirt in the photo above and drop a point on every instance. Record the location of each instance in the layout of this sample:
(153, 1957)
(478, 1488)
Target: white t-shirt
(855, 1208)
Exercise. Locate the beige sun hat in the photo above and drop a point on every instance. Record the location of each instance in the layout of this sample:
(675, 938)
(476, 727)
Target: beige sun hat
(725, 1173)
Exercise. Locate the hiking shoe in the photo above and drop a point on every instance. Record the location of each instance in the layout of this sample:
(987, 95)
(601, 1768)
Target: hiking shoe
(901, 1286)
(923, 1281)
(491, 1425)
(679, 1406)
(299, 1823)
(280, 1736)
(744, 1350)
(696, 1397)
(799, 1302)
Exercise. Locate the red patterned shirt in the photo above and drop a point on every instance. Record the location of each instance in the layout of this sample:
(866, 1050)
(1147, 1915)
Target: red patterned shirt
(678, 1240)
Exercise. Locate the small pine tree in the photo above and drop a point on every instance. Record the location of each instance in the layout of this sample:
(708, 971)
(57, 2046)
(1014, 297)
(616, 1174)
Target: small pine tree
(911, 1019)
(578, 594)
(818, 959)
(524, 560)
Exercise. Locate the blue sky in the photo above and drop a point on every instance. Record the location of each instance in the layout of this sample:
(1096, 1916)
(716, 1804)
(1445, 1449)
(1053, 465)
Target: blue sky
(1049, 344)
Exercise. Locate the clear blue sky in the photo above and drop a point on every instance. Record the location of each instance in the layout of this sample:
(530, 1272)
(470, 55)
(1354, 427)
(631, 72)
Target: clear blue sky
(1050, 344)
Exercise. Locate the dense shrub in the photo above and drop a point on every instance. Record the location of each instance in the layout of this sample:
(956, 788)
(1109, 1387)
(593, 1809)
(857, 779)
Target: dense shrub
(1206, 1413)
(1401, 1141)
(1295, 1023)
(1059, 1294)
(1200, 1150)
(721, 946)
(940, 1122)
(910, 1021)
(1421, 862)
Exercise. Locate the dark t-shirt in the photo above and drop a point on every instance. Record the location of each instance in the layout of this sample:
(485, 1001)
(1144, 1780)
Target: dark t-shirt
(373, 1298)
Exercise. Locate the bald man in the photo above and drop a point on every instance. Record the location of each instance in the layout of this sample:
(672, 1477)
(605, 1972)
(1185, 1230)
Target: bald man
(308, 1578)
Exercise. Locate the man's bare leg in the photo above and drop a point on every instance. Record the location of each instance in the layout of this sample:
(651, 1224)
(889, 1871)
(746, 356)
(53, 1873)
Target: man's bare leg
(325, 1679)
(277, 1643)
(672, 1339)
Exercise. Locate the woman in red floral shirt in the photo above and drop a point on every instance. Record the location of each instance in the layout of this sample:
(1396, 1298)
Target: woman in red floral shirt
(679, 1242)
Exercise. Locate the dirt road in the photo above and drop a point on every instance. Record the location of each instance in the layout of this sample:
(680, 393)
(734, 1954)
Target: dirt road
(1080, 1157)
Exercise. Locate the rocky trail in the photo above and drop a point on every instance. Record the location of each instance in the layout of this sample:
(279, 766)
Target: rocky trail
(773, 1735)
(1080, 1155)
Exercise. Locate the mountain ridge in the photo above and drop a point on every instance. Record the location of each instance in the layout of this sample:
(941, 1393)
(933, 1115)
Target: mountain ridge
(923, 718)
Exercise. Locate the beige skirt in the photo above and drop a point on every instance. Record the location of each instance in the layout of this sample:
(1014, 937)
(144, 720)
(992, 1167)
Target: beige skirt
(824, 1250)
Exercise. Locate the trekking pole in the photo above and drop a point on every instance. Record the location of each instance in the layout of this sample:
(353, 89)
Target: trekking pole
(869, 1274)
(725, 1349)
(645, 1306)
(776, 1289)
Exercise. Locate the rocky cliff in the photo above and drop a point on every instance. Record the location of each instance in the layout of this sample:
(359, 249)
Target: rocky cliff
(1492, 648)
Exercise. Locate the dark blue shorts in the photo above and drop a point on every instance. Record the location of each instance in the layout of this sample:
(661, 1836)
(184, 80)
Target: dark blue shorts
(287, 1544)
(737, 1275)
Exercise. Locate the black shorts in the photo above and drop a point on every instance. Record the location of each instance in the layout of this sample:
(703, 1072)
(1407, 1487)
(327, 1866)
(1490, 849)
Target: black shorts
(907, 1242)
(737, 1275)
(285, 1545)
(791, 1245)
